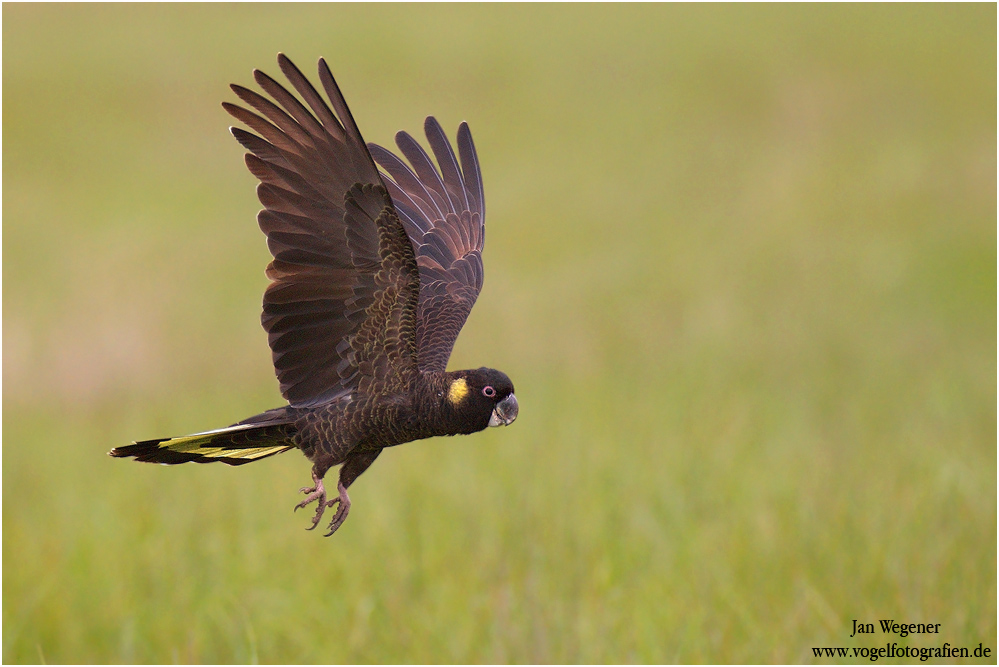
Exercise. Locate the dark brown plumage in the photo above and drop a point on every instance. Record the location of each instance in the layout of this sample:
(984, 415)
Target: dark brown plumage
(372, 279)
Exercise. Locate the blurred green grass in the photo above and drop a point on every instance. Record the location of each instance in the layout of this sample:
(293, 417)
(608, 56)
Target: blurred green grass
(741, 266)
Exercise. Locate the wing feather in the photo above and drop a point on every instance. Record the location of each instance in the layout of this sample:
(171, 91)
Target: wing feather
(473, 175)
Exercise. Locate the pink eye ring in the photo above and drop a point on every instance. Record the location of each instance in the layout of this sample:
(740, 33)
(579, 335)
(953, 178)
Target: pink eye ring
(488, 391)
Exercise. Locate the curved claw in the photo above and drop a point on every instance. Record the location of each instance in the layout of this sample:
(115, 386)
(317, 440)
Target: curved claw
(343, 502)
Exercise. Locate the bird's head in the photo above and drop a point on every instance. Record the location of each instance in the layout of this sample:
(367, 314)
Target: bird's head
(483, 397)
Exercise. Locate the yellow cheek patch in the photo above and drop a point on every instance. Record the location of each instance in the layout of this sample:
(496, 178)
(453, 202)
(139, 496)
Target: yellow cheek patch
(458, 391)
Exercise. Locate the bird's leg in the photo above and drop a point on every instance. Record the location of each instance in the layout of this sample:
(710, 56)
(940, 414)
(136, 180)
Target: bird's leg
(314, 493)
(351, 469)
(342, 510)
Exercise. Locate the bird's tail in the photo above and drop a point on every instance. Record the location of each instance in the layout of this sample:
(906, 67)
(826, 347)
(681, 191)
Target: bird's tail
(235, 445)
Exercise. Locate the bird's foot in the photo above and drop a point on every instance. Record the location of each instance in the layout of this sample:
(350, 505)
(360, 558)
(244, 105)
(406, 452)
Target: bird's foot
(341, 511)
(314, 493)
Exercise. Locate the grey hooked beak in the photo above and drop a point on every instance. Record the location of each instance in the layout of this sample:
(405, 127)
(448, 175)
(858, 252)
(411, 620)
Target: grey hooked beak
(505, 412)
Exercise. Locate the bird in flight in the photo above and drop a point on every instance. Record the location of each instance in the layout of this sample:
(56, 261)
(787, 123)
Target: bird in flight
(374, 274)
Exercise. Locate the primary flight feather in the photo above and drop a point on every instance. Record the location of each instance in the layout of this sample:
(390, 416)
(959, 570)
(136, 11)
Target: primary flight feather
(374, 274)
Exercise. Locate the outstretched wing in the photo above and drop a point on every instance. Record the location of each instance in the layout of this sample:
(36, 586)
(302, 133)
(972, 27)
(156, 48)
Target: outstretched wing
(443, 211)
(341, 305)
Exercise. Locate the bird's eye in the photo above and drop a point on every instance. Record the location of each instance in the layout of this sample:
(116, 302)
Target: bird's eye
(488, 391)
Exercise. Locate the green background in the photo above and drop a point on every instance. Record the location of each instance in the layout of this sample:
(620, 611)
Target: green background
(740, 264)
